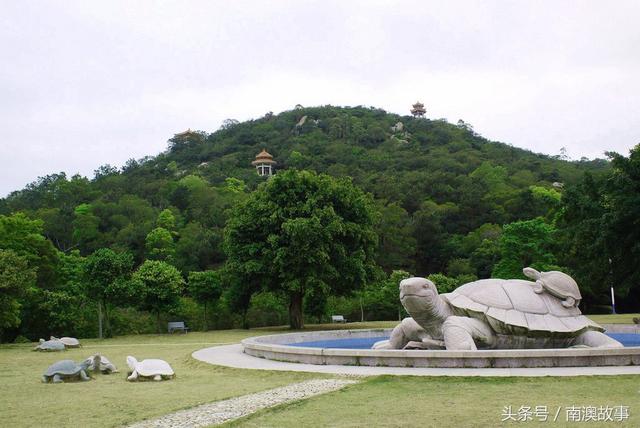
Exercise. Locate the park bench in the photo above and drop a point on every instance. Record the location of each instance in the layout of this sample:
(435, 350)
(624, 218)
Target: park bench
(177, 326)
(337, 318)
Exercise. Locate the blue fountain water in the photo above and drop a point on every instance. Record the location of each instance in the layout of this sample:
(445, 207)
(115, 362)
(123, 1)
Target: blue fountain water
(627, 339)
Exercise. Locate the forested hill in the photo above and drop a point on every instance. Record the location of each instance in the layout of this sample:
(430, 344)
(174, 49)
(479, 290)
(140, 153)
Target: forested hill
(434, 181)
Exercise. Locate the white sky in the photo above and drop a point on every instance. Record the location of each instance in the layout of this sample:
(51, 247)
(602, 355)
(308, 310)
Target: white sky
(87, 83)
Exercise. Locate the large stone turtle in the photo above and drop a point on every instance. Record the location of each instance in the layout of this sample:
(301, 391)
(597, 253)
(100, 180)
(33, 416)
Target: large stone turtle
(65, 369)
(493, 313)
(150, 369)
(50, 346)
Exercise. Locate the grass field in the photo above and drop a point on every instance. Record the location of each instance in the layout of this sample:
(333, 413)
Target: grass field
(405, 401)
(108, 400)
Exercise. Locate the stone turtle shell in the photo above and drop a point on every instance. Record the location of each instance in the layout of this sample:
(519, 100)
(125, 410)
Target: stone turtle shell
(152, 367)
(560, 283)
(512, 307)
(64, 367)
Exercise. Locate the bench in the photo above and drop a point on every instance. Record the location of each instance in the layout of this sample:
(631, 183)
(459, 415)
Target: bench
(338, 318)
(177, 326)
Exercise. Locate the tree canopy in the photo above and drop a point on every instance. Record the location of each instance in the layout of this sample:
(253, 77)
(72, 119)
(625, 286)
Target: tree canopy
(302, 233)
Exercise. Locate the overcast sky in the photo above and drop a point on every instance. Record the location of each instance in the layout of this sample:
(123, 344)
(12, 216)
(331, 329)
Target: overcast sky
(87, 83)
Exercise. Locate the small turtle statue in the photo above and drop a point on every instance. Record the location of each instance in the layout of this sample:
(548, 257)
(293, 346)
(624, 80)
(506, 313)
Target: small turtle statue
(50, 346)
(557, 284)
(69, 342)
(152, 368)
(100, 362)
(65, 369)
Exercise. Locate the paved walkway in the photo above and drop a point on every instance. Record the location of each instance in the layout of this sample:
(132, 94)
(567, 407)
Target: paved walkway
(222, 411)
(232, 356)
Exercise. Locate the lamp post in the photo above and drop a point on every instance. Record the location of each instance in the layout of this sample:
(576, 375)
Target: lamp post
(613, 297)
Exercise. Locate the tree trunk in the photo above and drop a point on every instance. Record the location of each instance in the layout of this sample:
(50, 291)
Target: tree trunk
(158, 322)
(361, 310)
(107, 322)
(296, 320)
(204, 325)
(100, 319)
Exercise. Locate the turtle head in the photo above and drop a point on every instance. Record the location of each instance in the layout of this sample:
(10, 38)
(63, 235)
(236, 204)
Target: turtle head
(131, 362)
(531, 273)
(418, 295)
(41, 341)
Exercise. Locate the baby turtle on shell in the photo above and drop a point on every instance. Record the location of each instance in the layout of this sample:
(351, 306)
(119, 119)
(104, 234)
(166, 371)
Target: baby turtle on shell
(556, 283)
(69, 342)
(100, 362)
(151, 368)
(65, 369)
(50, 346)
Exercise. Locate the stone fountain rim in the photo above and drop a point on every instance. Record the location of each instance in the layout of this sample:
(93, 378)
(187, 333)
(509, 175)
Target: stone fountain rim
(279, 347)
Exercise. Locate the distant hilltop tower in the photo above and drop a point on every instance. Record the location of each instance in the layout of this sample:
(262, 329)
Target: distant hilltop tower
(264, 163)
(418, 110)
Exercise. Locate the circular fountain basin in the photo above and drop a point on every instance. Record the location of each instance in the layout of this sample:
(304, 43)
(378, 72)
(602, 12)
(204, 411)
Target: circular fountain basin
(311, 348)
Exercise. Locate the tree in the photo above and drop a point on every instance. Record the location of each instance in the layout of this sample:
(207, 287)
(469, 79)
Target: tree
(300, 233)
(382, 298)
(160, 284)
(106, 276)
(525, 243)
(15, 279)
(159, 245)
(397, 246)
(205, 287)
(166, 220)
(599, 226)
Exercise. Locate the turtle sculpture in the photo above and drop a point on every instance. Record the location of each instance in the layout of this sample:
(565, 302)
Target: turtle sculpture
(69, 342)
(556, 283)
(66, 369)
(50, 346)
(149, 369)
(100, 363)
(495, 313)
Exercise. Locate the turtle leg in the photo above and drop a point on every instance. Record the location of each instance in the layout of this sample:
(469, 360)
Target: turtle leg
(57, 378)
(596, 339)
(84, 376)
(134, 376)
(45, 379)
(462, 333)
(157, 377)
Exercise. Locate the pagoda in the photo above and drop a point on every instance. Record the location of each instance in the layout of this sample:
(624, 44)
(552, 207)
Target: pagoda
(264, 163)
(185, 134)
(418, 109)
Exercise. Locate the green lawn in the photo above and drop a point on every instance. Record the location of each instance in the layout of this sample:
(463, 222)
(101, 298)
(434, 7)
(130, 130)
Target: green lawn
(108, 400)
(404, 401)
(614, 319)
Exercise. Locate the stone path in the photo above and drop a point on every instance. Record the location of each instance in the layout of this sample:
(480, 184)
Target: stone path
(233, 408)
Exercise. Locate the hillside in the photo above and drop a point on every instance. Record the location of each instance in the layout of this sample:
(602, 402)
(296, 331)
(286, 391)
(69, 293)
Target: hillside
(433, 181)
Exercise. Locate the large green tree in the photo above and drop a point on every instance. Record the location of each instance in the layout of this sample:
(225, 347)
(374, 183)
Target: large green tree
(106, 276)
(160, 285)
(300, 233)
(205, 287)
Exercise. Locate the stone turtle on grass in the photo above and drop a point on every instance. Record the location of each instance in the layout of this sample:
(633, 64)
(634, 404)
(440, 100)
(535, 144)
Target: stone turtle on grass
(50, 346)
(66, 370)
(149, 369)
